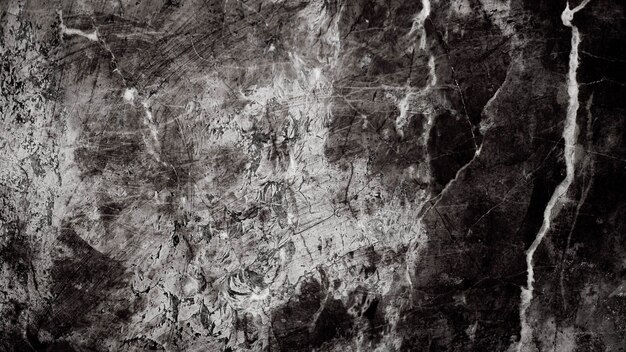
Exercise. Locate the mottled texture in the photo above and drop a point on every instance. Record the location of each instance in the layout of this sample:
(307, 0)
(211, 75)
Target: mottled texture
(313, 175)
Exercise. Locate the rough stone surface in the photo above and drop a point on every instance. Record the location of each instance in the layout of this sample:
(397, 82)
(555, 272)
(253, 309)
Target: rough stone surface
(313, 175)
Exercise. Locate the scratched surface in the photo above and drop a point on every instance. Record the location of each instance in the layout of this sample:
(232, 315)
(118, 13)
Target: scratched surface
(313, 175)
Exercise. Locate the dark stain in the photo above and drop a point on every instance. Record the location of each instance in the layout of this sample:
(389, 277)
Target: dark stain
(310, 319)
(478, 54)
(144, 343)
(228, 164)
(175, 3)
(370, 306)
(29, 342)
(291, 322)
(543, 185)
(439, 322)
(15, 253)
(333, 322)
(83, 282)
(112, 147)
(450, 146)
(375, 138)
(589, 342)
(245, 323)
(272, 134)
(109, 209)
(594, 258)
(370, 312)
(369, 267)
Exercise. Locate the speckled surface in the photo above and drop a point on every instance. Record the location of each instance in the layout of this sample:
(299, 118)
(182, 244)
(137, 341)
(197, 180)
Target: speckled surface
(313, 175)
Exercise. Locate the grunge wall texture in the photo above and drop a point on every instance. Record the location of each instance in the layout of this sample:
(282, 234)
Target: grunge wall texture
(313, 175)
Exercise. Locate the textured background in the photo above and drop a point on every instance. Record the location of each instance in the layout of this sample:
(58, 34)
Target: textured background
(294, 175)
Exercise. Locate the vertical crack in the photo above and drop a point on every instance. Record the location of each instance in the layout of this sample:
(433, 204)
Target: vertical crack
(570, 134)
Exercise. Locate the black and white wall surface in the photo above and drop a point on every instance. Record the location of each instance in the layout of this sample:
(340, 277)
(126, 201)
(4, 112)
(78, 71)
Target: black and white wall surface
(313, 175)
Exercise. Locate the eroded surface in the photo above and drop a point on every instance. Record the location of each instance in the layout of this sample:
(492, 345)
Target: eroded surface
(312, 175)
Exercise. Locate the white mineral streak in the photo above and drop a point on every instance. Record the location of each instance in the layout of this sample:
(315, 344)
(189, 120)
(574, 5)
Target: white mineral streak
(418, 22)
(430, 117)
(433, 71)
(456, 178)
(490, 110)
(129, 95)
(570, 132)
(73, 31)
(148, 120)
(404, 104)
